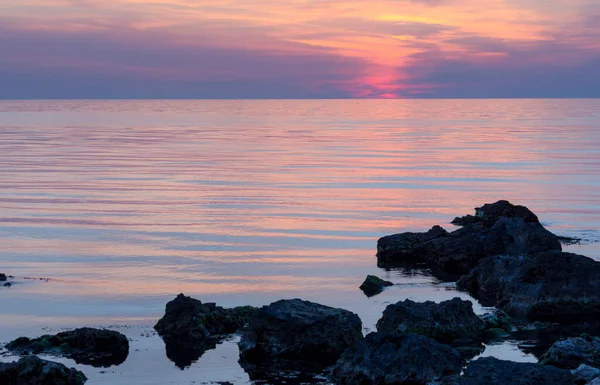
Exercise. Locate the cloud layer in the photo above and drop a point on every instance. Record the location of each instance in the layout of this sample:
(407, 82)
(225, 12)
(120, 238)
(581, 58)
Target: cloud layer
(299, 48)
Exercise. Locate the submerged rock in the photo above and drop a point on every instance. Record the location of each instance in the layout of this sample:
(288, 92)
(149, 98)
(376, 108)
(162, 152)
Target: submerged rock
(552, 286)
(450, 322)
(382, 359)
(374, 285)
(297, 335)
(491, 371)
(88, 346)
(503, 229)
(35, 371)
(572, 352)
(190, 327)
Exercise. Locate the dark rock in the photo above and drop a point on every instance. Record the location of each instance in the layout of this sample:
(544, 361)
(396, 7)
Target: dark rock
(391, 245)
(458, 252)
(190, 327)
(2, 277)
(466, 220)
(572, 352)
(450, 322)
(585, 374)
(498, 228)
(382, 359)
(551, 287)
(497, 320)
(297, 335)
(491, 371)
(498, 325)
(504, 209)
(96, 347)
(374, 285)
(7, 284)
(35, 371)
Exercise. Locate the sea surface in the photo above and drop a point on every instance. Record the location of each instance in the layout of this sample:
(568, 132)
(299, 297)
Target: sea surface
(121, 205)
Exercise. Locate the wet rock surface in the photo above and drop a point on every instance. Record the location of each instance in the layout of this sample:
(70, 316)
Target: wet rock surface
(35, 371)
(451, 322)
(585, 374)
(189, 327)
(572, 352)
(550, 287)
(374, 285)
(297, 335)
(383, 358)
(491, 371)
(88, 346)
(504, 229)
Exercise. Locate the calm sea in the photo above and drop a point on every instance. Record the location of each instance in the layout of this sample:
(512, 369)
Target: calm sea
(124, 204)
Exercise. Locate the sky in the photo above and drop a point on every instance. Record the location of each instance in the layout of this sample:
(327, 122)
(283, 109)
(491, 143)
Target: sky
(90, 49)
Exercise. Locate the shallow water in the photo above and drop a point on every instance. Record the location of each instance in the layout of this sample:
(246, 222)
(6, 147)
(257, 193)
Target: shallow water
(124, 204)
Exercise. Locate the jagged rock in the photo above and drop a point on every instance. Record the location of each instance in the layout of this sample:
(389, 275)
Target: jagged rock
(491, 371)
(551, 286)
(189, 327)
(382, 359)
(297, 335)
(503, 229)
(88, 346)
(32, 370)
(450, 322)
(585, 374)
(2, 277)
(572, 352)
(374, 285)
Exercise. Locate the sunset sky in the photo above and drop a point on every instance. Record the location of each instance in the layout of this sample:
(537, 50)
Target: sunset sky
(299, 48)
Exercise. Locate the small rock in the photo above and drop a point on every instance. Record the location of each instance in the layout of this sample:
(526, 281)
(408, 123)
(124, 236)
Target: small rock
(572, 352)
(492, 371)
(7, 284)
(374, 285)
(88, 346)
(386, 359)
(190, 327)
(585, 373)
(450, 322)
(297, 335)
(2, 277)
(32, 370)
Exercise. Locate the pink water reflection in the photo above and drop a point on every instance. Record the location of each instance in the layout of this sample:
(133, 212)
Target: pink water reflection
(125, 199)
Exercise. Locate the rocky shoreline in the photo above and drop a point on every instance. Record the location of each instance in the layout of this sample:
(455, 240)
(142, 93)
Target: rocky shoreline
(502, 256)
